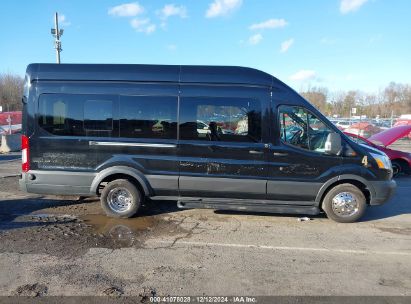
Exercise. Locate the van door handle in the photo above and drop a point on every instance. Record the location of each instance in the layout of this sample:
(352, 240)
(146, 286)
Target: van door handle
(280, 154)
(256, 152)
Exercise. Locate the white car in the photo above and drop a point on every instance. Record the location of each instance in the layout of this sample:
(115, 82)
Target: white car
(343, 124)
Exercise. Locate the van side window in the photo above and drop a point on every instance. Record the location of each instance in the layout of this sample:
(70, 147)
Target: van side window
(98, 117)
(220, 119)
(76, 115)
(148, 117)
(302, 129)
(61, 114)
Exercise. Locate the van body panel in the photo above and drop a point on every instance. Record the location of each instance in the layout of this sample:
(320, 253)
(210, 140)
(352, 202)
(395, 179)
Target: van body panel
(222, 187)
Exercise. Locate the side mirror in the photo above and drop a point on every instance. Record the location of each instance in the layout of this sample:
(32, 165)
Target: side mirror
(333, 144)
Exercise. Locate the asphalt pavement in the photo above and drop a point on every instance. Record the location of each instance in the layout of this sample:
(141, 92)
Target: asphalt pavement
(65, 246)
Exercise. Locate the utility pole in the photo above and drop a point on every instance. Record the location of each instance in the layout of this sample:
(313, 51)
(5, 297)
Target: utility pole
(57, 33)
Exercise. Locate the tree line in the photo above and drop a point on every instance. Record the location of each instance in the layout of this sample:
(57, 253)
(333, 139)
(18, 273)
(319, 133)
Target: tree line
(394, 99)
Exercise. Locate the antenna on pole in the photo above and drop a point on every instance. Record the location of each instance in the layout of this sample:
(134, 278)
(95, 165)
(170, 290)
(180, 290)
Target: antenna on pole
(57, 33)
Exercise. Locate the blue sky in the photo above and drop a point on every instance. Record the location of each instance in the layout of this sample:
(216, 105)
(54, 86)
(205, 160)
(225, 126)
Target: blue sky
(340, 44)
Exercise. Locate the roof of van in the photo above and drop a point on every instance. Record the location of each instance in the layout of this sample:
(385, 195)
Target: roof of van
(143, 72)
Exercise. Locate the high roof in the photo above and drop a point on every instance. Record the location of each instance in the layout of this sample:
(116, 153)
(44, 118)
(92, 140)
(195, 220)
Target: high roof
(148, 73)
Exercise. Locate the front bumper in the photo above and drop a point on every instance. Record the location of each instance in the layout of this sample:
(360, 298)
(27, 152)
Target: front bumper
(382, 191)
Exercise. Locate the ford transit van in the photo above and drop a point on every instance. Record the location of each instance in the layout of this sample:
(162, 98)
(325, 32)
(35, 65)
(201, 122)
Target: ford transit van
(216, 137)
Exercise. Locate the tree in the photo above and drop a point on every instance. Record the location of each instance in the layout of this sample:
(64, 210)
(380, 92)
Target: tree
(318, 98)
(11, 91)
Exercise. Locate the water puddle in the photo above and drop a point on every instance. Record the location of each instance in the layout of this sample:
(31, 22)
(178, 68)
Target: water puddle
(122, 232)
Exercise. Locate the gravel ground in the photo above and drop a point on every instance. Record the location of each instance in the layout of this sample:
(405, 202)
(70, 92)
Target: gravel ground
(65, 246)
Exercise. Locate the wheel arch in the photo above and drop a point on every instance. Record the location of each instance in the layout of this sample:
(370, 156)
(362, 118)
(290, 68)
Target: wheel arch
(355, 180)
(403, 163)
(122, 172)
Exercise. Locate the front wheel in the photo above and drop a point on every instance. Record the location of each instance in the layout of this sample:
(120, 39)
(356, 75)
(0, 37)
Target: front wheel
(120, 198)
(396, 168)
(344, 203)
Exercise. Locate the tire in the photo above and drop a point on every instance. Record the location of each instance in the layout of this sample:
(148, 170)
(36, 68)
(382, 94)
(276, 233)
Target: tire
(120, 198)
(336, 200)
(396, 168)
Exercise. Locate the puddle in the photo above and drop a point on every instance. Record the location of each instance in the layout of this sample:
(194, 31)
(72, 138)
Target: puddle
(123, 232)
(71, 235)
(103, 224)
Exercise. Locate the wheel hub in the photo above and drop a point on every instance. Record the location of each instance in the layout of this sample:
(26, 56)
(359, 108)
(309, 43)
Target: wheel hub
(119, 199)
(345, 204)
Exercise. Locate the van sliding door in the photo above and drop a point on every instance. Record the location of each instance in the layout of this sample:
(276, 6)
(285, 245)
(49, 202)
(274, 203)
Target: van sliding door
(221, 147)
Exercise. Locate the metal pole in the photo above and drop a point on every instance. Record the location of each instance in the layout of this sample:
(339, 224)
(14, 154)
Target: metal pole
(392, 117)
(57, 42)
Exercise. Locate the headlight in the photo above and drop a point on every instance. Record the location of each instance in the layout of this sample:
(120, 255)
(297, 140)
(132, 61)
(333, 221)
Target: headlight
(383, 161)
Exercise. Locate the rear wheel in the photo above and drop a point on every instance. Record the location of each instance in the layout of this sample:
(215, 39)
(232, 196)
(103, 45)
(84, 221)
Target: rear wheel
(120, 198)
(344, 203)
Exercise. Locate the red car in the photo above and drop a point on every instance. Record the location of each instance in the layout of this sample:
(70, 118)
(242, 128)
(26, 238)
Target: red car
(401, 161)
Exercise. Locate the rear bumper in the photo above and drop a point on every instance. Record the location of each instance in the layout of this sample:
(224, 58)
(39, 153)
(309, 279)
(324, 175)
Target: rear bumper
(57, 182)
(382, 191)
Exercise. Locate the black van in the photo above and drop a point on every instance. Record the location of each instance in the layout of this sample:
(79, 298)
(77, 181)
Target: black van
(206, 136)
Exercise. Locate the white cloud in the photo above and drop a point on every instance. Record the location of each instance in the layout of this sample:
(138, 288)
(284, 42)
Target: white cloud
(304, 75)
(285, 45)
(126, 10)
(347, 6)
(63, 20)
(269, 24)
(255, 39)
(170, 10)
(222, 7)
(143, 25)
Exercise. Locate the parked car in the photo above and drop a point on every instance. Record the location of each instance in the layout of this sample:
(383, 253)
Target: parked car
(342, 124)
(404, 121)
(401, 161)
(364, 129)
(383, 125)
(88, 130)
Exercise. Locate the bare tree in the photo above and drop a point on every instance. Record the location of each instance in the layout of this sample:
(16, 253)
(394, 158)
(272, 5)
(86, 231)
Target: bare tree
(11, 90)
(318, 98)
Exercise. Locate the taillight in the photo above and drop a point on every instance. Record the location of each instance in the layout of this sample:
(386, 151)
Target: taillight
(25, 166)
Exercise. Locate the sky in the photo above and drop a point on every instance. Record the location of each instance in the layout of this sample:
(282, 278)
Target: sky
(338, 44)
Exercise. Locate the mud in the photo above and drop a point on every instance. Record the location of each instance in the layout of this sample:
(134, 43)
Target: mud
(31, 290)
(67, 226)
(70, 227)
(69, 235)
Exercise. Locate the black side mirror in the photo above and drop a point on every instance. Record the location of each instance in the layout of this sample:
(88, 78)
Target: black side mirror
(333, 144)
